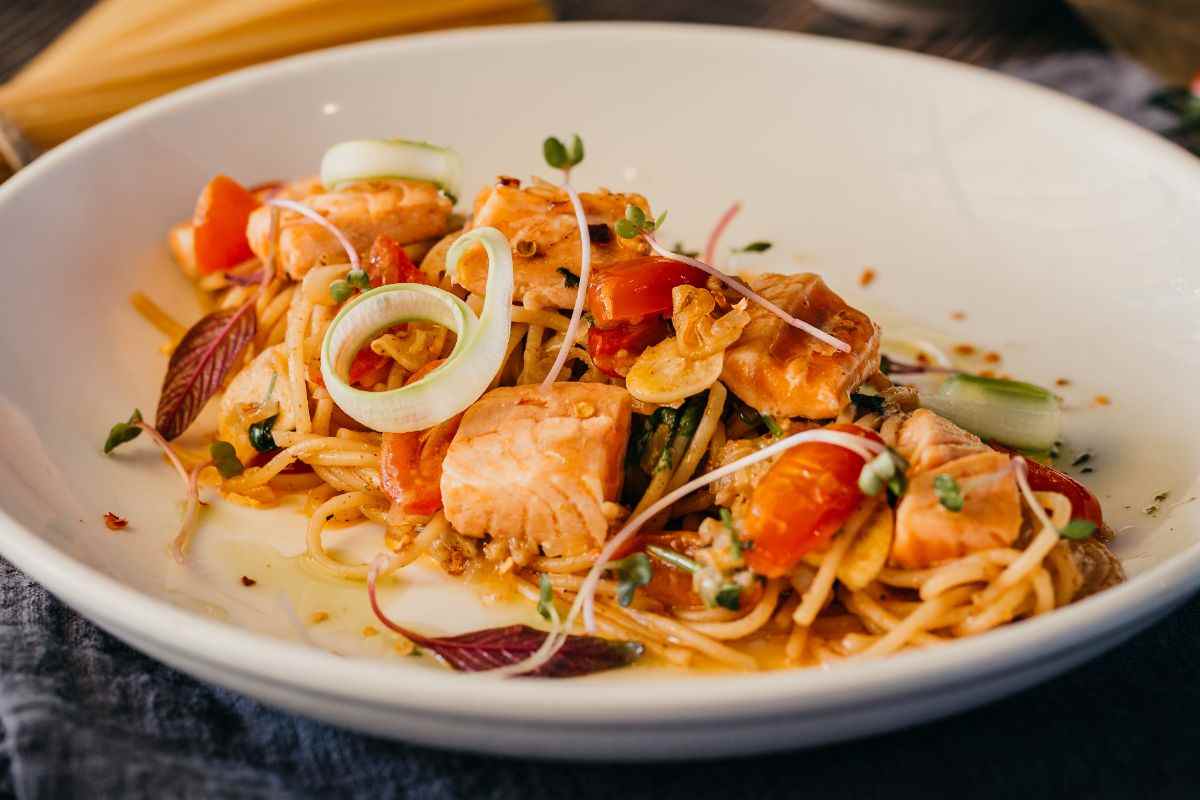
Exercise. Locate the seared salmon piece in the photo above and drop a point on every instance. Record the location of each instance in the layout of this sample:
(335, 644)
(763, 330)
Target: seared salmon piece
(407, 211)
(927, 441)
(541, 228)
(783, 371)
(927, 533)
(539, 465)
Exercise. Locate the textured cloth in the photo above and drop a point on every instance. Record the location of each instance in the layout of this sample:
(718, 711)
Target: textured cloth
(82, 715)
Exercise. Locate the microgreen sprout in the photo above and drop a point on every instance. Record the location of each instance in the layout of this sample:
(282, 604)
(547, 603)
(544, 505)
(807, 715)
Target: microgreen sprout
(632, 571)
(123, 432)
(772, 426)
(948, 493)
(671, 557)
(754, 247)
(736, 546)
(558, 156)
(545, 597)
(340, 291)
(359, 279)
(637, 223)
(886, 469)
(261, 438)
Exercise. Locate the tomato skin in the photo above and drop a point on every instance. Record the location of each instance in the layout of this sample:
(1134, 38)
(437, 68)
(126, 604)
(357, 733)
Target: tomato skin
(388, 263)
(219, 225)
(629, 291)
(613, 350)
(1084, 504)
(801, 502)
(411, 462)
(368, 367)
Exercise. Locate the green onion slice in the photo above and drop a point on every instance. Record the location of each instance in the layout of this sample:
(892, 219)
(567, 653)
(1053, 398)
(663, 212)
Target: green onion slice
(376, 159)
(1010, 412)
(470, 367)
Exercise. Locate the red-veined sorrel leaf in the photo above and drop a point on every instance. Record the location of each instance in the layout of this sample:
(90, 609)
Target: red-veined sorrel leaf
(199, 365)
(490, 648)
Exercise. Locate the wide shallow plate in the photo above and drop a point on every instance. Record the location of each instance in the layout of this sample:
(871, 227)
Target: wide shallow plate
(1068, 238)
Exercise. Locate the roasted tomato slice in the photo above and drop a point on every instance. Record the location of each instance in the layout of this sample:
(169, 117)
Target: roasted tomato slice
(629, 291)
(388, 263)
(1043, 478)
(801, 502)
(411, 463)
(613, 350)
(219, 225)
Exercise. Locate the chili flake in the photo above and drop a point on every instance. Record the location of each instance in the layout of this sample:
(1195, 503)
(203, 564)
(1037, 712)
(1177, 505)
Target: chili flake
(113, 522)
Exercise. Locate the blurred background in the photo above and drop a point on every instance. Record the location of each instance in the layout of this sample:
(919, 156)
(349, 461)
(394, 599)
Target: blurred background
(67, 64)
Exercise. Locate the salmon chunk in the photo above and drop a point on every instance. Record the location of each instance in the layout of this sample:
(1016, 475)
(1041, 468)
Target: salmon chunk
(407, 211)
(927, 533)
(540, 224)
(783, 371)
(538, 465)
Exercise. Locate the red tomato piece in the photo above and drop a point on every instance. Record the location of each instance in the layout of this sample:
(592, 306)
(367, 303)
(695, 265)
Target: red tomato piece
(219, 225)
(368, 367)
(1043, 478)
(388, 263)
(613, 350)
(801, 502)
(629, 291)
(411, 462)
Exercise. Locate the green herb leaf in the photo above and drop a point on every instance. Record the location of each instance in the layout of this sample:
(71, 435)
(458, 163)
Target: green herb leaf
(123, 432)
(545, 597)
(570, 279)
(658, 223)
(635, 214)
(674, 559)
(730, 597)
(754, 247)
(681, 249)
(948, 493)
(772, 426)
(261, 438)
(340, 291)
(626, 229)
(555, 153)
(576, 154)
(359, 279)
(1078, 529)
(632, 571)
(225, 459)
(867, 403)
(738, 546)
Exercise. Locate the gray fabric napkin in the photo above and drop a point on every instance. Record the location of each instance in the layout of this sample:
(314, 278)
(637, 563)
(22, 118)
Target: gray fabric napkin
(82, 715)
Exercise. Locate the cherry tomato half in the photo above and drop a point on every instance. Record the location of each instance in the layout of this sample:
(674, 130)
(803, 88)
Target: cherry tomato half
(388, 263)
(629, 291)
(613, 350)
(219, 225)
(411, 462)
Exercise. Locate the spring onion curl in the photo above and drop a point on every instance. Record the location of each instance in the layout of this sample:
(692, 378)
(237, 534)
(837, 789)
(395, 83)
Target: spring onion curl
(865, 449)
(585, 271)
(315, 216)
(477, 356)
(710, 249)
(749, 294)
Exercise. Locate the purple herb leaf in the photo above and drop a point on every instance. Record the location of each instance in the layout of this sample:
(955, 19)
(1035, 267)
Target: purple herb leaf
(199, 365)
(499, 647)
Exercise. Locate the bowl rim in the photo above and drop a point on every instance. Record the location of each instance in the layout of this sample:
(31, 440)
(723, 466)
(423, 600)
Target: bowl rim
(225, 647)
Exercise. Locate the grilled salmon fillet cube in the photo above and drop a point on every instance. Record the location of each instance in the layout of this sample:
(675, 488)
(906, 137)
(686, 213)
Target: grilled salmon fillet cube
(538, 465)
(928, 533)
(407, 211)
(783, 371)
(540, 224)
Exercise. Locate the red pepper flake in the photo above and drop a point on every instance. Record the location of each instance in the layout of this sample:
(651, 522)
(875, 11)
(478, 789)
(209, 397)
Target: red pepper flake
(987, 373)
(922, 358)
(1102, 400)
(246, 581)
(867, 277)
(958, 316)
(964, 349)
(1062, 382)
(991, 358)
(113, 522)
(508, 180)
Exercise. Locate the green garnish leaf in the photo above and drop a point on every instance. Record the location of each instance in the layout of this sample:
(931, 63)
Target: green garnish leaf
(545, 597)
(626, 229)
(1078, 529)
(673, 558)
(730, 597)
(123, 432)
(738, 546)
(225, 459)
(658, 223)
(772, 425)
(359, 279)
(632, 571)
(635, 214)
(555, 152)
(754, 247)
(570, 279)
(576, 154)
(261, 438)
(340, 291)
(681, 249)
(886, 469)
(948, 493)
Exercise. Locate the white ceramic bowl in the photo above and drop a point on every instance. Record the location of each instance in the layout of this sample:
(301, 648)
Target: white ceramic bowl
(1068, 237)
